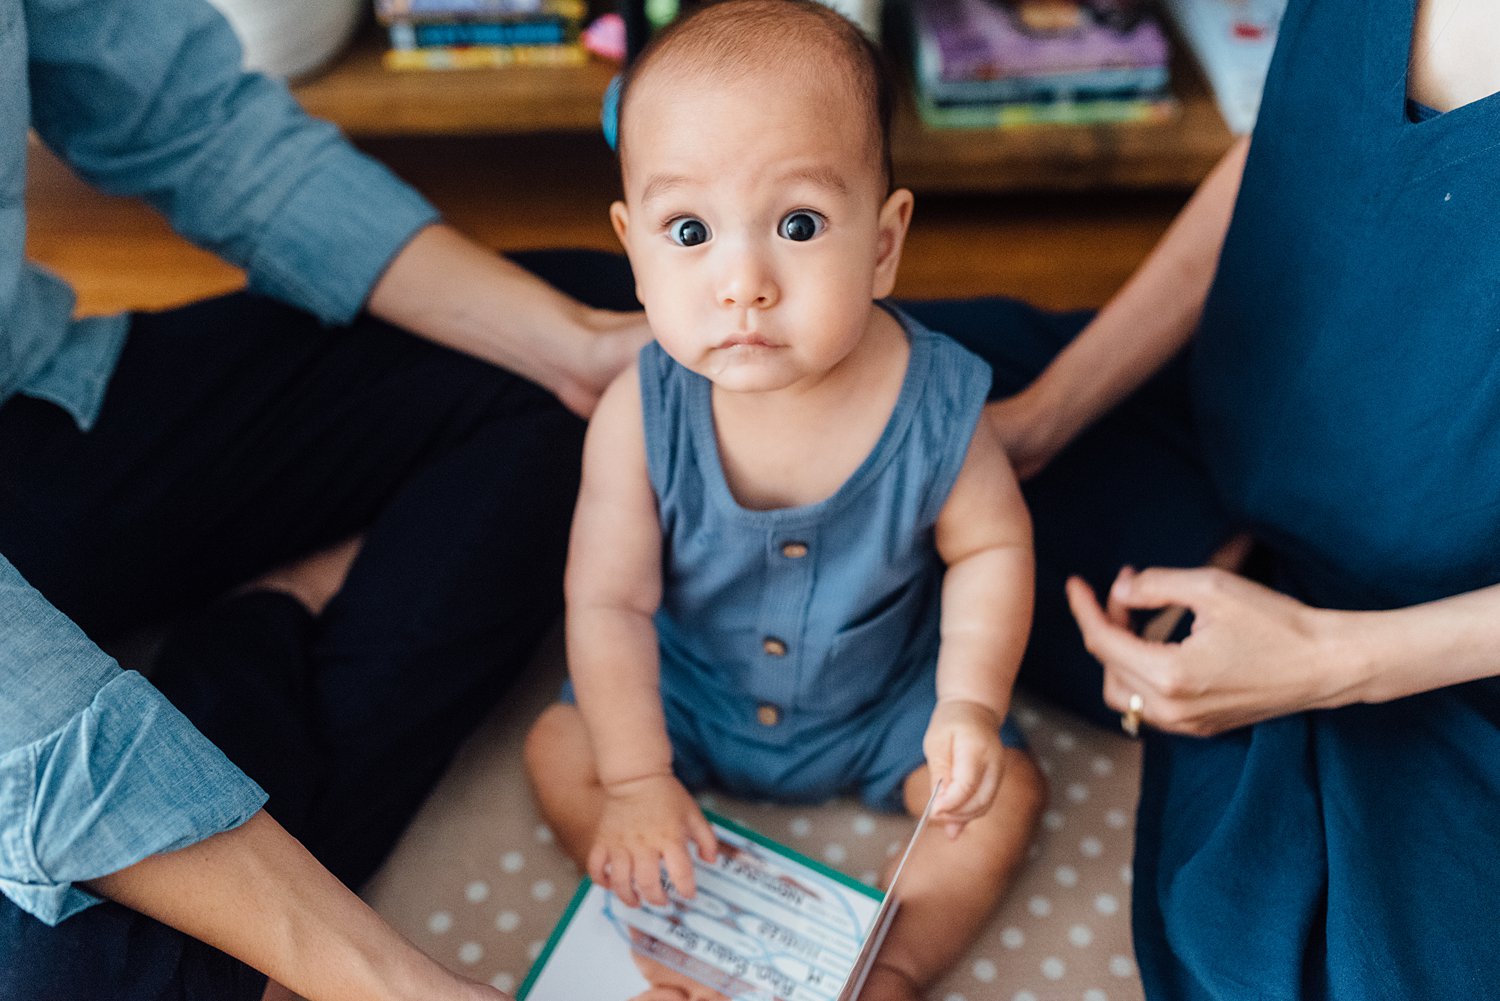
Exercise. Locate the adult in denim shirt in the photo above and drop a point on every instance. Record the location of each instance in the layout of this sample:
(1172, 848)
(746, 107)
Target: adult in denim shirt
(150, 464)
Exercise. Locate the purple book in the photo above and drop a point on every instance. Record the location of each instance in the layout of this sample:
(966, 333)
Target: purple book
(983, 40)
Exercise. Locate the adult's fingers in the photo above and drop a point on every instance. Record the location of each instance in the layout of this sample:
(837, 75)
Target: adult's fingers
(1117, 692)
(1114, 610)
(1112, 645)
(1160, 587)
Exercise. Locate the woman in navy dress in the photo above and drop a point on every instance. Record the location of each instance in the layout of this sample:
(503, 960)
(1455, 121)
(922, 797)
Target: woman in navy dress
(1320, 813)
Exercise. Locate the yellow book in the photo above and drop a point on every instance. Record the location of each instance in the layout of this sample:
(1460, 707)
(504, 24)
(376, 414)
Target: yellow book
(469, 57)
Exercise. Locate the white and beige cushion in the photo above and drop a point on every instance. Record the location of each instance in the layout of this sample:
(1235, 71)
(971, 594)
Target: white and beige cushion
(478, 883)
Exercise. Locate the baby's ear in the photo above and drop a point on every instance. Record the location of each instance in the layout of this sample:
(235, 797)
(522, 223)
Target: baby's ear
(619, 218)
(895, 217)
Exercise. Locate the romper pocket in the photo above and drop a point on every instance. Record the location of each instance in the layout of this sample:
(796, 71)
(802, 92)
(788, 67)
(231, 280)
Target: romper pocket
(865, 658)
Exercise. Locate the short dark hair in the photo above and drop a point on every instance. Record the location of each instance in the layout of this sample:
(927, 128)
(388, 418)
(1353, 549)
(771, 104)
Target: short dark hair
(717, 33)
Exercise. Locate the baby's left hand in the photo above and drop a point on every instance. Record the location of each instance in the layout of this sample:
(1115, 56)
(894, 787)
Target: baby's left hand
(964, 753)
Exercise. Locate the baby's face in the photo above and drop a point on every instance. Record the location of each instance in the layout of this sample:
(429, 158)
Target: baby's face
(756, 224)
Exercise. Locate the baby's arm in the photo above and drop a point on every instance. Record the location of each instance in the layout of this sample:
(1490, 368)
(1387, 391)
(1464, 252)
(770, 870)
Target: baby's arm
(613, 587)
(984, 535)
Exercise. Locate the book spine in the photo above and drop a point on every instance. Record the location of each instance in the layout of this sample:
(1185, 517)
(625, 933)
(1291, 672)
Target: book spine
(1147, 82)
(993, 116)
(484, 57)
(406, 35)
(978, 39)
(389, 12)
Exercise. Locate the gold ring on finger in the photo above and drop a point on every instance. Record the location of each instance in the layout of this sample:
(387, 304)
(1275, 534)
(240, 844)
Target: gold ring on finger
(1130, 719)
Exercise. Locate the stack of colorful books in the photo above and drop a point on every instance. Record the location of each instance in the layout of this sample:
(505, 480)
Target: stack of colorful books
(476, 34)
(988, 63)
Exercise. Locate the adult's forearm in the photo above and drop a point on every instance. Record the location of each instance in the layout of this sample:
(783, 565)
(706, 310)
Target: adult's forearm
(1405, 651)
(255, 893)
(449, 289)
(1152, 316)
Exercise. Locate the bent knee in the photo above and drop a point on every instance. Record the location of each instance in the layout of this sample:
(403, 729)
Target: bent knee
(557, 735)
(1024, 787)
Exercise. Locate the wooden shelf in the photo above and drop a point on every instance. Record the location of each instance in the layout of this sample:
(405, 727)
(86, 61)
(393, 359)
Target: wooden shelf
(368, 101)
(365, 99)
(1176, 153)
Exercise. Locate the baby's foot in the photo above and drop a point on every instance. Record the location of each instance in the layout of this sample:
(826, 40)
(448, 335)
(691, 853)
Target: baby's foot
(886, 983)
(312, 580)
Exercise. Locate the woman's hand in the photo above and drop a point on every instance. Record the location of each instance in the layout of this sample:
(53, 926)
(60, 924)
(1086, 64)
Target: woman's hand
(452, 291)
(646, 825)
(963, 752)
(602, 343)
(1253, 653)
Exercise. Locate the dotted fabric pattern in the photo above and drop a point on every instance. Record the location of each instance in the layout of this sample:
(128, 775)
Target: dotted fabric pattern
(478, 882)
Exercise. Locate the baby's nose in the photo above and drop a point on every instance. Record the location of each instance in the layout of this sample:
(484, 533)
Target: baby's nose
(748, 282)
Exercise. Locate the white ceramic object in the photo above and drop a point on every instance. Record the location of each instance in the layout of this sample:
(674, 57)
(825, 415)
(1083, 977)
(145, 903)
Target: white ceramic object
(292, 38)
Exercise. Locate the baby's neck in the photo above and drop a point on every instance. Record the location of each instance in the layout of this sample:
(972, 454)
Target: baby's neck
(794, 448)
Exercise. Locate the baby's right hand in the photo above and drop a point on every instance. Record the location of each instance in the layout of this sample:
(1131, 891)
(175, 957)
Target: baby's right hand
(647, 824)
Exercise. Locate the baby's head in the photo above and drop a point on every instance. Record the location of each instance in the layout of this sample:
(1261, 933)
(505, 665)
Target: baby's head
(791, 40)
(758, 215)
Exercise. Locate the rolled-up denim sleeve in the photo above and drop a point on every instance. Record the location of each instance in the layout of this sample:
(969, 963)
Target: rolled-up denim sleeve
(97, 769)
(149, 99)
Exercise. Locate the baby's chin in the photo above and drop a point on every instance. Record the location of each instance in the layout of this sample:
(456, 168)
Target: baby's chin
(740, 376)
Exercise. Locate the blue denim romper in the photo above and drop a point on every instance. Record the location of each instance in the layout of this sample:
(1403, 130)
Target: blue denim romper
(799, 645)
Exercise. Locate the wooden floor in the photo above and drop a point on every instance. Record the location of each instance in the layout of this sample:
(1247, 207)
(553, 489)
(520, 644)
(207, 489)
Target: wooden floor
(1061, 251)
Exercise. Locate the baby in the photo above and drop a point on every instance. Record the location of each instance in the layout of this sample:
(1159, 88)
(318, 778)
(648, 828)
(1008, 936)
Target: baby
(800, 562)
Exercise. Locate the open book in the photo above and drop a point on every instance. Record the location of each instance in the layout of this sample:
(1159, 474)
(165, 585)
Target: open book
(767, 924)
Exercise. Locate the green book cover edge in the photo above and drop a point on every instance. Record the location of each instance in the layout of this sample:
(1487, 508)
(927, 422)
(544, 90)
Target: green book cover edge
(822, 868)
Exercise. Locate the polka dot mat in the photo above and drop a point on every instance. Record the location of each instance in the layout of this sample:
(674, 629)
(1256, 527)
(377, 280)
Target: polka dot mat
(478, 881)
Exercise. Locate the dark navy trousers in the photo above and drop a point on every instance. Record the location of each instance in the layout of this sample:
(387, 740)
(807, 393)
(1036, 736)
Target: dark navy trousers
(238, 434)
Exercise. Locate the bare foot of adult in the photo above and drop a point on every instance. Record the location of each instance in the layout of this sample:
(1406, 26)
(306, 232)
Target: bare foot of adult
(312, 580)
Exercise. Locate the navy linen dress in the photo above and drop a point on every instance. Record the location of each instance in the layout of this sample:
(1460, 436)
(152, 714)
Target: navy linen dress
(1346, 388)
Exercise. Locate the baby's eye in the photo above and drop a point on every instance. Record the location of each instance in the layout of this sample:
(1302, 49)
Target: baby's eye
(801, 225)
(687, 231)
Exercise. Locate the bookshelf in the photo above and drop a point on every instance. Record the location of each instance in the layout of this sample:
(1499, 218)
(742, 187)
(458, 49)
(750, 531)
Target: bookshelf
(368, 101)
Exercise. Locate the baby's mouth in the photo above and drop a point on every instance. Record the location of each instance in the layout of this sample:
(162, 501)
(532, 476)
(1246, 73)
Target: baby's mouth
(749, 339)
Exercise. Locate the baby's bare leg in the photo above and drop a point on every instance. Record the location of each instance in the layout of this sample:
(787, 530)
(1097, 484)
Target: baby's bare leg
(560, 765)
(950, 887)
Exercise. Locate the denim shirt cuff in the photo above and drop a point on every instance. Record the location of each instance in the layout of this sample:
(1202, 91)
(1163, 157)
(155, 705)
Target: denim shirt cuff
(334, 236)
(126, 778)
